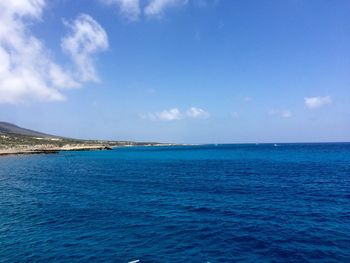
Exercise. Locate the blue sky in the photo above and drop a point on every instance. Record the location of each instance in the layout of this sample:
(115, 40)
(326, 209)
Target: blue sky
(196, 71)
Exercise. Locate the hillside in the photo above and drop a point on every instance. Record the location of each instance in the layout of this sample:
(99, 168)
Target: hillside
(9, 128)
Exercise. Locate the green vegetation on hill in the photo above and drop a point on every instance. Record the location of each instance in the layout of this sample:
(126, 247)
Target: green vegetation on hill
(14, 140)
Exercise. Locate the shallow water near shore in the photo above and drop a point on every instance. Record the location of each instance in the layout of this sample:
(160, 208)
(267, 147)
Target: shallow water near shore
(224, 203)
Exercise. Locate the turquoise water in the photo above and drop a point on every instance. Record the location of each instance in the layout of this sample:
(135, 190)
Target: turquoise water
(225, 203)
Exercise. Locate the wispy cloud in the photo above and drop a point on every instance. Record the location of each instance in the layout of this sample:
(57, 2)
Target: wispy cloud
(235, 115)
(197, 113)
(247, 99)
(151, 91)
(281, 113)
(166, 115)
(130, 9)
(158, 7)
(174, 114)
(86, 39)
(317, 102)
(27, 68)
(133, 10)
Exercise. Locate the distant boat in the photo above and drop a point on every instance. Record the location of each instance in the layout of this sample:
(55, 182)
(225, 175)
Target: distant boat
(275, 145)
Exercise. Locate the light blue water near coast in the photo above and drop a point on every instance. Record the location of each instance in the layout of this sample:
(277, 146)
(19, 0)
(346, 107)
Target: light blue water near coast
(225, 203)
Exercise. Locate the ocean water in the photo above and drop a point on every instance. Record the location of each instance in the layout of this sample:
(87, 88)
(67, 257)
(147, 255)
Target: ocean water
(224, 203)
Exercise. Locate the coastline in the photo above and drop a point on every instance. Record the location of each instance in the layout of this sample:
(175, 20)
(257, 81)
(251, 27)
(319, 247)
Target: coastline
(51, 150)
(38, 149)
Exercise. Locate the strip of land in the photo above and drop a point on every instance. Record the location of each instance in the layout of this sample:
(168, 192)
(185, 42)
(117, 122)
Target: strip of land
(19, 144)
(15, 140)
(49, 149)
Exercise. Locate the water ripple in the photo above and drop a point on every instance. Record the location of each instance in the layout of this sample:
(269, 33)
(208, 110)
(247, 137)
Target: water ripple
(178, 204)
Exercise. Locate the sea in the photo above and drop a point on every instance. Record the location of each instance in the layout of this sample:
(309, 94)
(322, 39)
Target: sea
(205, 203)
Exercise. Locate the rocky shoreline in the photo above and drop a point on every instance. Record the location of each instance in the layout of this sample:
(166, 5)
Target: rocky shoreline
(51, 150)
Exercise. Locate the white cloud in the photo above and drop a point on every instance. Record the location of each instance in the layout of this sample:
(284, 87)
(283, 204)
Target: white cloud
(30, 8)
(132, 10)
(158, 7)
(166, 115)
(128, 8)
(27, 69)
(281, 113)
(86, 39)
(317, 102)
(170, 115)
(175, 114)
(61, 78)
(197, 113)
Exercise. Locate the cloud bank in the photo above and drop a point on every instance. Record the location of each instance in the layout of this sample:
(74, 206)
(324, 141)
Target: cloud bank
(317, 102)
(27, 70)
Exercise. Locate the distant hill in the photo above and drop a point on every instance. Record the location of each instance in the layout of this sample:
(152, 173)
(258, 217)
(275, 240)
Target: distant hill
(11, 129)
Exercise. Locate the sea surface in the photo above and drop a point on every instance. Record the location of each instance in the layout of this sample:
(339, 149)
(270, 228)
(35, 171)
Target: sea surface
(212, 203)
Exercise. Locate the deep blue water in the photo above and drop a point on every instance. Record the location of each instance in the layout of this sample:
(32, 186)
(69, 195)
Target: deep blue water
(226, 203)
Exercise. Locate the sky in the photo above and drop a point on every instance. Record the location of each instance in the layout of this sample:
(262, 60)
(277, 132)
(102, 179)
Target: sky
(184, 71)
